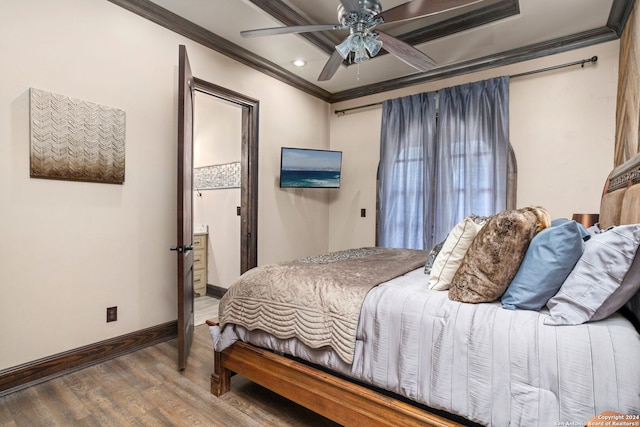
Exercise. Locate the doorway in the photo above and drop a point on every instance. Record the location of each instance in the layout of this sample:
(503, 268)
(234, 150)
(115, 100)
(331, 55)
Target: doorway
(225, 202)
(217, 136)
(188, 85)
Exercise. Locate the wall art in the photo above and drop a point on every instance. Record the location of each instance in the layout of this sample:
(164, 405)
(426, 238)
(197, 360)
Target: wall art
(72, 139)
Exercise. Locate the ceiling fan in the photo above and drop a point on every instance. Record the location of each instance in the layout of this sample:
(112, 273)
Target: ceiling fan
(361, 17)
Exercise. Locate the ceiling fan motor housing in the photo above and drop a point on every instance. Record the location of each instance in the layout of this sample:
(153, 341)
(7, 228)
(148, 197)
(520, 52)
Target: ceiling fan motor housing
(361, 20)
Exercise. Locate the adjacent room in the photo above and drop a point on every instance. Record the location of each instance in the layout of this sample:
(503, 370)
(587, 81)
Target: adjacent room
(339, 212)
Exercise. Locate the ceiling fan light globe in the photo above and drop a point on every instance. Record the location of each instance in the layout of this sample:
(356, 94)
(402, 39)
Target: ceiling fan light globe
(344, 48)
(351, 44)
(372, 45)
(361, 54)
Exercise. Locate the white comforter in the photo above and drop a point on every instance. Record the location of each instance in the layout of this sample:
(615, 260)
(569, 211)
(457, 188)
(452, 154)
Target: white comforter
(490, 365)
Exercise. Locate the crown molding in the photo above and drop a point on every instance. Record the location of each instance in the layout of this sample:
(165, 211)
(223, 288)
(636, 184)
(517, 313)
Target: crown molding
(538, 50)
(171, 21)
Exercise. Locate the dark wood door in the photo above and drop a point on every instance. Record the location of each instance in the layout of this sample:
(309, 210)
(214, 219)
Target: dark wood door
(184, 248)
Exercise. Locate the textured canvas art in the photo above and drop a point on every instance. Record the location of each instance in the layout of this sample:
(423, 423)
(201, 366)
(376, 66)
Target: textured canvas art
(75, 140)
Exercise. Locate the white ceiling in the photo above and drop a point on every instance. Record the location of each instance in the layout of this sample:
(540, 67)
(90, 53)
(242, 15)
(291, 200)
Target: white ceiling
(538, 21)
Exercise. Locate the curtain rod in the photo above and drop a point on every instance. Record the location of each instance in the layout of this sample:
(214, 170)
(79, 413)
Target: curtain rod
(541, 70)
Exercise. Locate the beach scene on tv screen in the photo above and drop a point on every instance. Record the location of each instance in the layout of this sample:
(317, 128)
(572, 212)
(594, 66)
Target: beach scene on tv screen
(310, 168)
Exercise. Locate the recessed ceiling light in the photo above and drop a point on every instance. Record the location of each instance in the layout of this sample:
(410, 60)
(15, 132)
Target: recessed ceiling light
(299, 62)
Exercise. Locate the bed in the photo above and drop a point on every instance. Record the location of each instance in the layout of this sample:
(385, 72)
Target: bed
(395, 352)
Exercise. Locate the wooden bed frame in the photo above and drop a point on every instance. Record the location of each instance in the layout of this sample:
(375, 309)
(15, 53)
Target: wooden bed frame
(340, 400)
(332, 397)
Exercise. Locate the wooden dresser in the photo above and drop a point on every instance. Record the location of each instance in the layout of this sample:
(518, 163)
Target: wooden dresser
(200, 263)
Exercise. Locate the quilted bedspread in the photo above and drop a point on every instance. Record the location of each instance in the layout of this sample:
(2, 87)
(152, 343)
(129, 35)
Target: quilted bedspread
(492, 366)
(315, 299)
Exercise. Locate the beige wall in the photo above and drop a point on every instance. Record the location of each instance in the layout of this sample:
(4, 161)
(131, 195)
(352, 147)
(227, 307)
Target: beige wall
(71, 249)
(562, 128)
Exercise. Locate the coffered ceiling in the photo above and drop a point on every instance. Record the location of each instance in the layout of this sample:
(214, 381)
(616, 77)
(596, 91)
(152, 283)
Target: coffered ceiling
(482, 35)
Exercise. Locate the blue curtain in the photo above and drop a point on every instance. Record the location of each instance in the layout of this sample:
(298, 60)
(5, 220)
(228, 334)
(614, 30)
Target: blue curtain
(408, 131)
(461, 162)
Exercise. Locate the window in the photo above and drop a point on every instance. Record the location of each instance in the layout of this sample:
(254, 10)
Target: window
(437, 168)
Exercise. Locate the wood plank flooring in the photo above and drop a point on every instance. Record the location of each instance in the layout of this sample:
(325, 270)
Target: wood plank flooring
(145, 388)
(205, 307)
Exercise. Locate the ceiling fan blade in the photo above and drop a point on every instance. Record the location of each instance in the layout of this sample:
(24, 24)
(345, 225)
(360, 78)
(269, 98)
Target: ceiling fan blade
(330, 67)
(405, 52)
(289, 30)
(351, 5)
(419, 8)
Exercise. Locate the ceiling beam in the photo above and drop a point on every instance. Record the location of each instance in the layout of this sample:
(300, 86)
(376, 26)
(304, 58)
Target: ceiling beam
(288, 16)
(466, 21)
(324, 41)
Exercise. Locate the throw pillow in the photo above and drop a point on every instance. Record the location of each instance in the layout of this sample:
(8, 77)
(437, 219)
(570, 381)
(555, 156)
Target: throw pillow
(548, 261)
(605, 277)
(431, 258)
(453, 250)
(495, 255)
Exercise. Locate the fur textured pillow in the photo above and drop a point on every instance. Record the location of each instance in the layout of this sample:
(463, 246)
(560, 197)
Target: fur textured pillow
(495, 255)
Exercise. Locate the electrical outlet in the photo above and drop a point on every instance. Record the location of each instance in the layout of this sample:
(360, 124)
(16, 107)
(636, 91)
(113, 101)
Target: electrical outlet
(112, 314)
(363, 213)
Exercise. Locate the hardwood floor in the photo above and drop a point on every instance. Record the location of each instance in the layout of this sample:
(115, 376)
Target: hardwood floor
(145, 388)
(205, 307)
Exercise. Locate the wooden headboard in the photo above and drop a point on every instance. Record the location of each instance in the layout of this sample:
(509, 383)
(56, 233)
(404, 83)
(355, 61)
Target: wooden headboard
(621, 199)
(621, 205)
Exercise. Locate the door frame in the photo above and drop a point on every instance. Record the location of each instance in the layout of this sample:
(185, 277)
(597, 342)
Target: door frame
(249, 168)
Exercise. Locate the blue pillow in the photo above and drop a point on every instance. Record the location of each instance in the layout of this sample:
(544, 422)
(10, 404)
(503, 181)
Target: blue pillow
(551, 256)
(559, 221)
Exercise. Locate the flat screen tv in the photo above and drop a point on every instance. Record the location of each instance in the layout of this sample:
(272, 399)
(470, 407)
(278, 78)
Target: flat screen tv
(307, 168)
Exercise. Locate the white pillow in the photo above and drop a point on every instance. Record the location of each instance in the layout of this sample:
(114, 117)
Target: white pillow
(455, 247)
